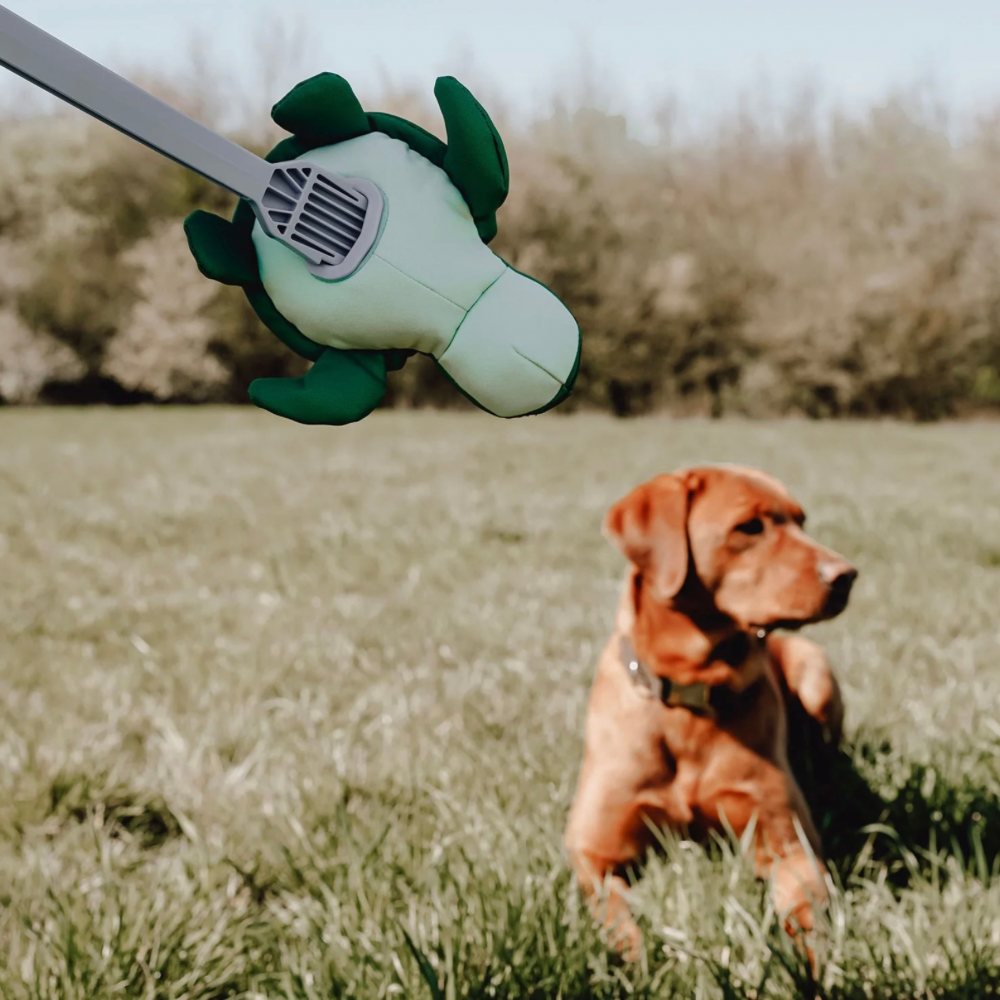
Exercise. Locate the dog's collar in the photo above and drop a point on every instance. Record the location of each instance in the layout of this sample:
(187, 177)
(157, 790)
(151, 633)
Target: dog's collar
(707, 699)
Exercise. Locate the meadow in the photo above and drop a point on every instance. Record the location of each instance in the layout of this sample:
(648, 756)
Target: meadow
(297, 713)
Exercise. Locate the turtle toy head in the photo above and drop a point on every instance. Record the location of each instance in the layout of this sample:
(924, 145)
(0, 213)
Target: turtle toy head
(428, 284)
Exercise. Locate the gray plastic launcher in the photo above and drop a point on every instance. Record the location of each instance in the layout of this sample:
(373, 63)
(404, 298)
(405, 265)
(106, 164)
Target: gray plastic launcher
(329, 220)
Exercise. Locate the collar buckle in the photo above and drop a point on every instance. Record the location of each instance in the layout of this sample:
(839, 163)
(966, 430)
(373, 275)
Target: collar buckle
(694, 696)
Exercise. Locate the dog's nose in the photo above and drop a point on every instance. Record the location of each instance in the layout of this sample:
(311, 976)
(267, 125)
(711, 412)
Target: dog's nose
(838, 576)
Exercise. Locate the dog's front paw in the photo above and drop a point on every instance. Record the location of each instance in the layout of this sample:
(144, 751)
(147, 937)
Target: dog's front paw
(626, 939)
(811, 679)
(820, 697)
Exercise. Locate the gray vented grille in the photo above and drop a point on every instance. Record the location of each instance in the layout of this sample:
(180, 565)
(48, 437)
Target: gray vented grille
(315, 212)
(332, 221)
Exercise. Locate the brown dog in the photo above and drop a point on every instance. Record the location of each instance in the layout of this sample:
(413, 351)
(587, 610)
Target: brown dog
(687, 721)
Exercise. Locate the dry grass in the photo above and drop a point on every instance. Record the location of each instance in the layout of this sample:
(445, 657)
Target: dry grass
(297, 713)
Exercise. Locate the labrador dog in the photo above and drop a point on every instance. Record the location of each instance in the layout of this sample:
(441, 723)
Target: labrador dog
(687, 724)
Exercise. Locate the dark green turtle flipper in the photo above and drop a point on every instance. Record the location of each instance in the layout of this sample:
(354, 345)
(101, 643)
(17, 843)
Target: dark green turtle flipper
(476, 161)
(340, 388)
(221, 250)
(396, 357)
(321, 111)
(487, 227)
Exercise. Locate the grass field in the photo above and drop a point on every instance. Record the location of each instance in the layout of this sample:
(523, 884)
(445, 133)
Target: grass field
(295, 712)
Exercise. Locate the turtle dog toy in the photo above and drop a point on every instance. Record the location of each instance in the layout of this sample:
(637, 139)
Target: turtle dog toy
(359, 241)
(429, 283)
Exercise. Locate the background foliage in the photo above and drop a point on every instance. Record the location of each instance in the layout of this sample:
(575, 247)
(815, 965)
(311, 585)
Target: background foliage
(784, 259)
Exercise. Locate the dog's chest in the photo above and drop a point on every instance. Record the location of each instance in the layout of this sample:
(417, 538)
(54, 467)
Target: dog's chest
(697, 749)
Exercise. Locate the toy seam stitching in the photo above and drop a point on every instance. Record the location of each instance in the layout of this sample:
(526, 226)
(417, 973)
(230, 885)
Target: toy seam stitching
(532, 361)
(433, 291)
(506, 268)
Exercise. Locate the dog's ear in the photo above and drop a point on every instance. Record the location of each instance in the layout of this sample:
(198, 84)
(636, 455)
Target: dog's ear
(649, 527)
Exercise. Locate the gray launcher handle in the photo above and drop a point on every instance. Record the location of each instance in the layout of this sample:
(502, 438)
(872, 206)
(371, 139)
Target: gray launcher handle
(78, 80)
(329, 220)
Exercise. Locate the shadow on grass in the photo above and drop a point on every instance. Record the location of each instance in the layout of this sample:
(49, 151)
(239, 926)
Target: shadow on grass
(123, 812)
(871, 804)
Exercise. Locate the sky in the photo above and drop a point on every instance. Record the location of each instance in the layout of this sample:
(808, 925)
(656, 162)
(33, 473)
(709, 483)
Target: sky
(703, 51)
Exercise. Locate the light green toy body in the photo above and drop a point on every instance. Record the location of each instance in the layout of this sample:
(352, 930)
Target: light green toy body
(429, 284)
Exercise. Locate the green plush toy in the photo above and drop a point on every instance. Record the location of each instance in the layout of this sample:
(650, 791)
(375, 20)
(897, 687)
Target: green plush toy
(359, 241)
(428, 284)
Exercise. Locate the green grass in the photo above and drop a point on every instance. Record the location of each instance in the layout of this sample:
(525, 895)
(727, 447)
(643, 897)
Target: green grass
(294, 712)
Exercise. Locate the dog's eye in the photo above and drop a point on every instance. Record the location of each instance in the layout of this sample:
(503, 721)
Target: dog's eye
(752, 527)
